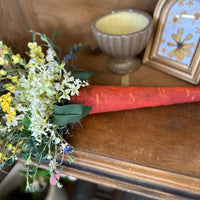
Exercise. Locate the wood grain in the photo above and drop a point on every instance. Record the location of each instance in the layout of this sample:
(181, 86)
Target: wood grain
(162, 137)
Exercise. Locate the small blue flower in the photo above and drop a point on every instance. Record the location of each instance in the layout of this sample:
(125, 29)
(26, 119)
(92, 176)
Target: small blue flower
(68, 150)
(68, 57)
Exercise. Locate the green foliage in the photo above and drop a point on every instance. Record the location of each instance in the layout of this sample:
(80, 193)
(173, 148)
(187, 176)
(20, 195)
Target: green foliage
(83, 75)
(69, 113)
(71, 159)
(26, 122)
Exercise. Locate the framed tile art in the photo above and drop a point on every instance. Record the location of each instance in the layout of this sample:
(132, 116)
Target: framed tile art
(174, 47)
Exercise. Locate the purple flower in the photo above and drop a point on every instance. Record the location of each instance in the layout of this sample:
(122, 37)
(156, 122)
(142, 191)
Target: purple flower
(68, 57)
(68, 150)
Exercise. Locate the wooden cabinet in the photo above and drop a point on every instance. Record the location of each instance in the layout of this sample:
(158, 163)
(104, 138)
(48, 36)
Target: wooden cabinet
(153, 152)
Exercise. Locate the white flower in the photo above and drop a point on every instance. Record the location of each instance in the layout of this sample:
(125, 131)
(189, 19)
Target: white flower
(3, 128)
(57, 86)
(57, 140)
(47, 101)
(53, 67)
(50, 55)
(63, 146)
(84, 83)
(65, 95)
(77, 81)
(67, 79)
(74, 90)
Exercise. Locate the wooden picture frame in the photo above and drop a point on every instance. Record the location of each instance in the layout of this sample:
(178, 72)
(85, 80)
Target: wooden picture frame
(174, 46)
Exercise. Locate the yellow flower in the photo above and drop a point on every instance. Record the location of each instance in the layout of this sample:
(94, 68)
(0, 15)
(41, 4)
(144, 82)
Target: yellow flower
(17, 59)
(21, 128)
(1, 142)
(32, 45)
(3, 157)
(10, 87)
(5, 96)
(5, 106)
(29, 65)
(13, 78)
(5, 50)
(12, 111)
(36, 51)
(2, 61)
(182, 49)
(16, 150)
(3, 72)
(9, 146)
(9, 99)
(10, 117)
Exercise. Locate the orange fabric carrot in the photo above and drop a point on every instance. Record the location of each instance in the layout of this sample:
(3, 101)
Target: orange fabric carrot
(115, 98)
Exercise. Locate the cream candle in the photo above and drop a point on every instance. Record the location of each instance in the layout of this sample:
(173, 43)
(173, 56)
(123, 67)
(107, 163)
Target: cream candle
(122, 23)
(123, 34)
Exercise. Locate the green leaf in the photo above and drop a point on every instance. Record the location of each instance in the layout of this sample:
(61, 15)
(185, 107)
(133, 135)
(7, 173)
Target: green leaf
(38, 158)
(24, 62)
(1, 44)
(43, 37)
(54, 35)
(26, 155)
(71, 160)
(34, 36)
(24, 134)
(40, 155)
(26, 122)
(83, 75)
(10, 161)
(30, 142)
(63, 115)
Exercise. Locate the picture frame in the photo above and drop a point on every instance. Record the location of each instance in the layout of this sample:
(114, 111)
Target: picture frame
(174, 47)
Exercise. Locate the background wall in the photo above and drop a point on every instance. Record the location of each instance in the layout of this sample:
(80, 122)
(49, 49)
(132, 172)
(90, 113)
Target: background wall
(72, 17)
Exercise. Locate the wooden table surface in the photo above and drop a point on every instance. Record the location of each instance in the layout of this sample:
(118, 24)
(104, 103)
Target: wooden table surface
(153, 152)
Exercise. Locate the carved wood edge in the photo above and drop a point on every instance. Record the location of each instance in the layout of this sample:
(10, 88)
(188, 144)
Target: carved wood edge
(85, 174)
(129, 176)
(121, 185)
